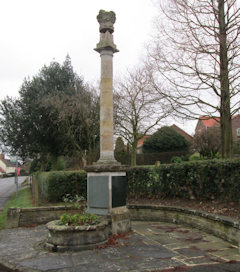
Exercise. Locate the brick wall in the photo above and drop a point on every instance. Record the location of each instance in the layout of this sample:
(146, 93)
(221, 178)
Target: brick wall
(235, 126)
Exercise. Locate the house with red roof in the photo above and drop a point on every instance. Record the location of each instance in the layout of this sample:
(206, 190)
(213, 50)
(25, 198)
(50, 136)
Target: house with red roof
(6, 166)
(205, 123)
(188, 137)
(140, 143)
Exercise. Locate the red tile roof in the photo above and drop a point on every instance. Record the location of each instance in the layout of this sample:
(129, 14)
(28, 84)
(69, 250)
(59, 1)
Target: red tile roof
(140, 142)
(210, 122)
(182, 132)
(235, 116)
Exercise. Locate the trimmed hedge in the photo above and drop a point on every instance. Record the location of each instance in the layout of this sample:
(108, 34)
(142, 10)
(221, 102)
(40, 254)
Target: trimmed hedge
(213, 179)
(55, 184)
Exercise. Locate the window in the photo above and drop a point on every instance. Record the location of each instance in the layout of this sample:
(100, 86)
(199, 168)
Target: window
(238, 132)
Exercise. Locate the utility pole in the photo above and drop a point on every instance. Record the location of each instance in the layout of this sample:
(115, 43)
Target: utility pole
(16, 176)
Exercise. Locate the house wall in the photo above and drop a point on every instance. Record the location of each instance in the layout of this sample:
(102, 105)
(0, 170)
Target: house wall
(5, 168)
(235, 126)
(10, 170)
(200, 127)
(3, 165)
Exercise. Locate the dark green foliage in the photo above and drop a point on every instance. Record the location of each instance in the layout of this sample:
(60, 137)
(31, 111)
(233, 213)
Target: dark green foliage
(44, 163)
(212, 179)
(23, 172)
(120, 152)
(119, 147)
(56, 114)
(54, 185)
(35, 166)
(209, 179)
(140, 182)
(176, 159)
(164, 140)
(236, 147)
(59, 164)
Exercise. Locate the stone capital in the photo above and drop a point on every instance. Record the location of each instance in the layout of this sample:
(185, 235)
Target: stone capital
(106, 20)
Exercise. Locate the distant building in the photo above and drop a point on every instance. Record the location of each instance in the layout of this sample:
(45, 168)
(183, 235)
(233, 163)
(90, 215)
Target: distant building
(140, 143)
(205, 123)
(6, 166)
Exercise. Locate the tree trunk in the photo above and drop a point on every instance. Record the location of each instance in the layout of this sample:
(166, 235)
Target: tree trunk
(225, 112)
(134, 154)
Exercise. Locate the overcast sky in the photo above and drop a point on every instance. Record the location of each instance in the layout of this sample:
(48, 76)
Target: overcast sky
(35, 32)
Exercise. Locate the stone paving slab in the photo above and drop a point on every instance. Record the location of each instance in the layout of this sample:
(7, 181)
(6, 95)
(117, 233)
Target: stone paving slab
(152, 246)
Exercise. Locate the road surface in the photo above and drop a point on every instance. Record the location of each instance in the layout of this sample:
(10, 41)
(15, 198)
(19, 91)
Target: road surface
(7, 188)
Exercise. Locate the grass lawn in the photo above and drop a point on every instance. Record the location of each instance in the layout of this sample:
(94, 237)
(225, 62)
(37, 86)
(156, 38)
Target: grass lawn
(23, 200)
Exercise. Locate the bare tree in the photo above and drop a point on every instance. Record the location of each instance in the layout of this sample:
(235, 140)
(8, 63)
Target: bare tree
(137, 108)
(196, 57)
(77, 117)
(207, 142)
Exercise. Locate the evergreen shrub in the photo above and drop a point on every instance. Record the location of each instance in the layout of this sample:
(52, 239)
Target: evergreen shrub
(209, 179)
(55, 184)
(165, 139)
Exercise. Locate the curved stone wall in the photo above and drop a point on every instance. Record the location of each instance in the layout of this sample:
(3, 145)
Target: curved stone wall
(220, 226)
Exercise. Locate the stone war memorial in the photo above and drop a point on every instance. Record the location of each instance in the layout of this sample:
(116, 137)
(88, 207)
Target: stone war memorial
(106, 178)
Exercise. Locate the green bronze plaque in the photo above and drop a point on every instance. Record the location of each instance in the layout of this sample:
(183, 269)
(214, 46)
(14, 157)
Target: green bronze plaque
(98, 192)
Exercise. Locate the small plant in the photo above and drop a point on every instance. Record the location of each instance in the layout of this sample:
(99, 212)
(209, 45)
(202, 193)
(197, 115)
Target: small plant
(77, 200)
(79, 219)
(195, 157)
(67, 198)
(176, 159)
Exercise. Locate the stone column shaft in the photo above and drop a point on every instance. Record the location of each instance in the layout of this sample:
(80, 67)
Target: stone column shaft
(106, 48)
(106, 107)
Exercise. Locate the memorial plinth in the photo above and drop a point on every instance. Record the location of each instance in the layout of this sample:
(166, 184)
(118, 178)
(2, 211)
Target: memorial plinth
(106, 179)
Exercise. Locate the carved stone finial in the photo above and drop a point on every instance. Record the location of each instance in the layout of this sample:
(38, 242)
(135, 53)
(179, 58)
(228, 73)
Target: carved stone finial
(106, 20)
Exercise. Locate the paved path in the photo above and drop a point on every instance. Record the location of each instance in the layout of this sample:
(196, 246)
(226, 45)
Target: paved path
(7, 188)
(152, 246)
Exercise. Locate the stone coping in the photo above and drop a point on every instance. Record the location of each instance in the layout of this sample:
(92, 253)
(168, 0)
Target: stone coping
(96, 168)
(20, 217)
(53, 226)
(223, 227)
(215, 217)
(45, 208)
